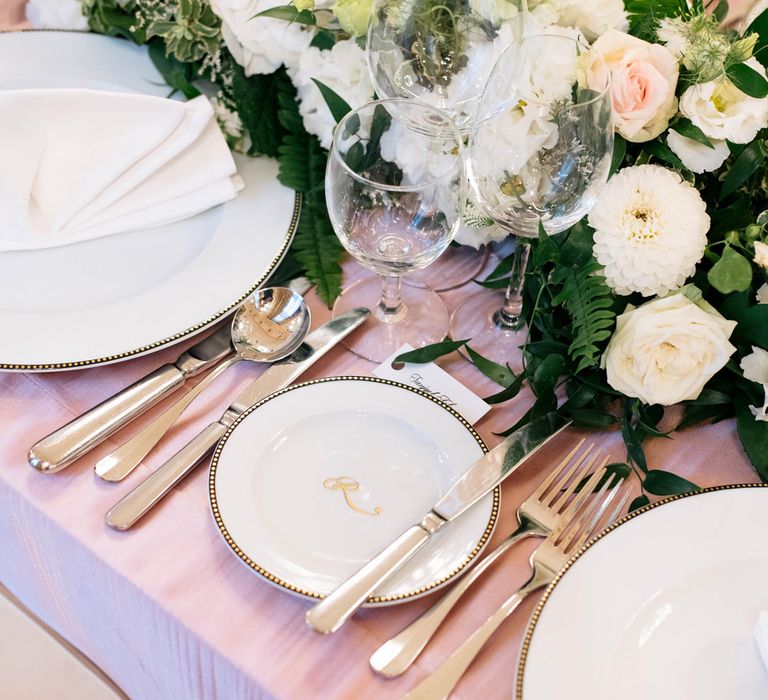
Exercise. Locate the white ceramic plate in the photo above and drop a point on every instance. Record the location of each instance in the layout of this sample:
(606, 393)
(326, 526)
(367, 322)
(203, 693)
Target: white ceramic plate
(273, 477)
(662, 607)
(117, 297)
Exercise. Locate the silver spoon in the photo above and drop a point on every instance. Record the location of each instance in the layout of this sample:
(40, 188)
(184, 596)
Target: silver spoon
(269, 326)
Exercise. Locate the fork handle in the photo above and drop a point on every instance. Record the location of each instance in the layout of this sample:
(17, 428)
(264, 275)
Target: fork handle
(441, 682)
(397, 654)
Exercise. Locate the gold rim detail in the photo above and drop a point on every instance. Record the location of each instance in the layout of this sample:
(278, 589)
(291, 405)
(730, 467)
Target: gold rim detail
(181, 334)
(548, 592)
(311, 594)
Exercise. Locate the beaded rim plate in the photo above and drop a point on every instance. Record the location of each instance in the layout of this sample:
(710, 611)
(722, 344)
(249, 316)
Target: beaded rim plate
(118, 297)
(314, 480)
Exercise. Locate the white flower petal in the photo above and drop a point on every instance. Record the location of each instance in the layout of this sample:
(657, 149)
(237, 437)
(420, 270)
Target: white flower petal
(697, 157)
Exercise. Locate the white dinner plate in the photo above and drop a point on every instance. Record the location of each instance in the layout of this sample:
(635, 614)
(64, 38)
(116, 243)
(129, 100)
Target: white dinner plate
(120, 296)
(661, 606)
(277, 481)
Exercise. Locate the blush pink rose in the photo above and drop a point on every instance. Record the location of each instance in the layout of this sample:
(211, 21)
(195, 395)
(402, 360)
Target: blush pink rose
(643, 81)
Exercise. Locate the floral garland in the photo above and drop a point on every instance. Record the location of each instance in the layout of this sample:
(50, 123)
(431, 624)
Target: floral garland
(659, 297)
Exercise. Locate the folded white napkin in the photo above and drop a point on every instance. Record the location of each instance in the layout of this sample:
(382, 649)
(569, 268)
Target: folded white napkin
(80, 164)
(761, 636)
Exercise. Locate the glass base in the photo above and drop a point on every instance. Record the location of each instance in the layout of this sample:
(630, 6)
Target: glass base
(456, 266)
(424, 319)
(476, 318)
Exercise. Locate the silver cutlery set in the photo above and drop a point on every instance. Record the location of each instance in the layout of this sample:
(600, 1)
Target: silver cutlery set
(572, 504)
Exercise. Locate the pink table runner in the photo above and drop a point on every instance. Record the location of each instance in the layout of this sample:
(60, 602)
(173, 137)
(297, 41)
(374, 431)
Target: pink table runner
(167, 610)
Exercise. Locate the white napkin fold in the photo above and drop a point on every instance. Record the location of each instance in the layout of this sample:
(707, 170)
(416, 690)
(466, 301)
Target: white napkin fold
(761, 636)
(80, 164)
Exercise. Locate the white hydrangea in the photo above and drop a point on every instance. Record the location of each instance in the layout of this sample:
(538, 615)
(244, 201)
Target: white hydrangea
(343, 69)
(697, 157)
(56, 14)
(592, 17)
(261, 44)
(755, 368)
(650, 230)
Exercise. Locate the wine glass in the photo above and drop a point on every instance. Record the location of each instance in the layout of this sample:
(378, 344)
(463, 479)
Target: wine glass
(539, 152)
(393, 185)
(441, 53)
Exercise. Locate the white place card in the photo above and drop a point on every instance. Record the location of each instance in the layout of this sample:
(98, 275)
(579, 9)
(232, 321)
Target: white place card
(436, 382)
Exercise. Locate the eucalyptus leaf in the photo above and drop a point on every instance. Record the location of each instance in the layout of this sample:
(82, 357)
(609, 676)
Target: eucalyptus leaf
(664, 483)
(732, 273)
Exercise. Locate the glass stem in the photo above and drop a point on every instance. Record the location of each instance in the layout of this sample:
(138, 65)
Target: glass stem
(391, 308)
(510, 315)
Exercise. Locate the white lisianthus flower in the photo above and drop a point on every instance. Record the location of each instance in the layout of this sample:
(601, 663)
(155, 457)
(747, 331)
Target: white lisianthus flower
(650, 230)
(697, 157)
(261, 44)
(761, 254)
(343, 69)
(761, 296)
(755, 368)
(666, 350)
(593, 17)
(723, 112)
(643, 82)
(56, 14)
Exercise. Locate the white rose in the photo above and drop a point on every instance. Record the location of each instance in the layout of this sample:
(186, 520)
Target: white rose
(343, 69)
(643, 81)
(761, 296)
(593, 17)
(761, 254)
(755, 368)
(666, 350)
(56, 14)
(261, 44)
(724, 112)
(697, 157)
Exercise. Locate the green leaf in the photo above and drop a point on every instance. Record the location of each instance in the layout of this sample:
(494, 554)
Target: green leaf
(547, 373)
(638, 502)
(592, 418)
(509, 392)
(256, 99)
(498, 278)
(577, 249)
(732, 273)
(720, 11)
(685, 127)
(748, 80)
(545, 250)
(663, 483)
(709, 397)
(752, 328)
(760, 27)
(619, 151)
(324, 40)
(734, 216)
(501, 374)
(290, 14)
(664, 153)
(177, 74)
(745, 165)
(635, 453)
(338, 105)
(429, 353)
(754, 437)
(542, 348)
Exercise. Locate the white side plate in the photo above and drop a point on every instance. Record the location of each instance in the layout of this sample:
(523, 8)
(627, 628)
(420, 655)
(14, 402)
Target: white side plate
(662, 607)
(120, 296)
(277, 500)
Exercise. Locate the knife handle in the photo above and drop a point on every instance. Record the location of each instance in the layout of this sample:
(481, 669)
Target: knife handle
(149, 492)
(72, 441)
(332, 612)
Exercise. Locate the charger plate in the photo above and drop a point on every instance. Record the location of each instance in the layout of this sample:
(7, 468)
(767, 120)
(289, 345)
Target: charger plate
(315, 480)
(661, 605)
(121, 296)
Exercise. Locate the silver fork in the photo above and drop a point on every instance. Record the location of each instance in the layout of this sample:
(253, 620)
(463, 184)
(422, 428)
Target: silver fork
(537, 516)
(582, 519)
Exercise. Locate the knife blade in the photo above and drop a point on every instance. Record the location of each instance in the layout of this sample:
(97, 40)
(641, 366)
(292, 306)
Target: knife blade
(149, 492)
(479, 480)
(78, 437)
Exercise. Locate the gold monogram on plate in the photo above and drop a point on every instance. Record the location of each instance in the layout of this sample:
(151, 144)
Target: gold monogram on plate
(347, 485)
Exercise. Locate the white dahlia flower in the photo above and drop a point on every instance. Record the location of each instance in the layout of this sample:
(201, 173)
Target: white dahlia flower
(650, 230)
(56, 14)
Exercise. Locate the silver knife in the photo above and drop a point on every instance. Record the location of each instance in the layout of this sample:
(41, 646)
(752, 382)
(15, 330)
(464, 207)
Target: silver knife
(143, 498)
(78, 437)
(479, 480)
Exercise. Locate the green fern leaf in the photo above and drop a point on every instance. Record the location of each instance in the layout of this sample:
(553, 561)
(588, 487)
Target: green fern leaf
(589, 302)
